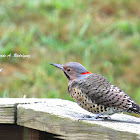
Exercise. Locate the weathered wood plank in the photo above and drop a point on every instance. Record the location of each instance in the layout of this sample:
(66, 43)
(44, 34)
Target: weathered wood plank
(8, 108)
(61, 117)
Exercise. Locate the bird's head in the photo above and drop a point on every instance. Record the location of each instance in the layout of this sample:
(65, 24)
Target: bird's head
(73, 70)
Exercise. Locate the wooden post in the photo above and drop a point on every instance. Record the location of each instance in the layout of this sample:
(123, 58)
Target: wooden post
(33, 134)
(11, 132)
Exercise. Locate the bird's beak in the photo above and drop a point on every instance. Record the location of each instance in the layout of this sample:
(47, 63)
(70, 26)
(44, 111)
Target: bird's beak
(57, 65)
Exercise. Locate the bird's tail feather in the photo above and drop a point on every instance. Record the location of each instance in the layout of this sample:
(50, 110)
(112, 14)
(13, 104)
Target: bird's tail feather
(135, 108)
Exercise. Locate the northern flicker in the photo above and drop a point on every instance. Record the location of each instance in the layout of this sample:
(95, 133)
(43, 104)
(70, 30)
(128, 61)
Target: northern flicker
(95, 93)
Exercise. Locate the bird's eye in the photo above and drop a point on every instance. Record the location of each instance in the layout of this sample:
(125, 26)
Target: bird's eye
(68, 69)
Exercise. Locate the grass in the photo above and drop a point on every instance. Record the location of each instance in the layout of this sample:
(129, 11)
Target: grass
(104, 36)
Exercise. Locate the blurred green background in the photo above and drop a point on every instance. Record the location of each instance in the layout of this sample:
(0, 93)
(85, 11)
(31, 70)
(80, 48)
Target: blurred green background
(104, 36)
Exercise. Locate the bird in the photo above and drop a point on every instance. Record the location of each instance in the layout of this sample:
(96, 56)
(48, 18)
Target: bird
(94, 93)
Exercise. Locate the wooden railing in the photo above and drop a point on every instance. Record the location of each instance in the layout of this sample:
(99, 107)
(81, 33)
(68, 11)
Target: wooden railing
(55, 118)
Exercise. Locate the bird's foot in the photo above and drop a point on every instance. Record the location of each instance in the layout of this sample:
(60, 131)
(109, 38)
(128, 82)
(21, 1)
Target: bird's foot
(92, 118)
(107, 118)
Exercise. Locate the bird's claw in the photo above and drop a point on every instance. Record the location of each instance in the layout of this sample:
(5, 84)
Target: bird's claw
(91, 119)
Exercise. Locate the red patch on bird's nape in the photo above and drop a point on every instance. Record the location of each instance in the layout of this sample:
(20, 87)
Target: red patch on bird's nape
(87, 72)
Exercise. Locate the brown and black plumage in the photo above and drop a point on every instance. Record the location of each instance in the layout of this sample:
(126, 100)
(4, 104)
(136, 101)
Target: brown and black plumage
(95, 93)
